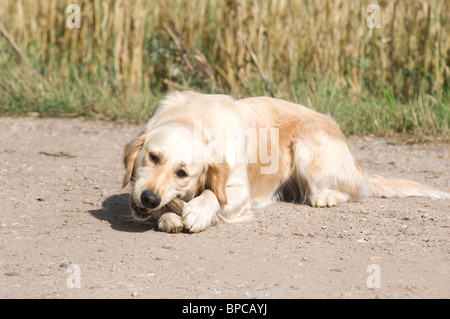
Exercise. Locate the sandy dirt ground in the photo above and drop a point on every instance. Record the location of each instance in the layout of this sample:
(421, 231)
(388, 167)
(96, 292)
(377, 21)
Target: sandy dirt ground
(66, 230)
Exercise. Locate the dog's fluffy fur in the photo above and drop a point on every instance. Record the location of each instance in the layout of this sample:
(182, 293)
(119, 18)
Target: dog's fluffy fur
(314, 162)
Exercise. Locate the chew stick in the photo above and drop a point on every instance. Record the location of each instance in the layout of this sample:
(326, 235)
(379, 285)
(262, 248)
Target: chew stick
(176, 205)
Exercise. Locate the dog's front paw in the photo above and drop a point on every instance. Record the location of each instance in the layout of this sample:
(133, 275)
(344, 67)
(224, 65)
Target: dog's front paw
(170, 223)
(199, 214)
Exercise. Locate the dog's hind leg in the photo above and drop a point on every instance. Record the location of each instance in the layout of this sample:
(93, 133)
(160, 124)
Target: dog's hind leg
(325, 168)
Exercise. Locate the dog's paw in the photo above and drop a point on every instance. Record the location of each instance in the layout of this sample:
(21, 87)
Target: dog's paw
(199, 214)
(328, 198)
(170, 223)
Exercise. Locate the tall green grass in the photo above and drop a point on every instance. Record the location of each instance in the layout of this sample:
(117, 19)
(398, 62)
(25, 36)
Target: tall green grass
(321, 54)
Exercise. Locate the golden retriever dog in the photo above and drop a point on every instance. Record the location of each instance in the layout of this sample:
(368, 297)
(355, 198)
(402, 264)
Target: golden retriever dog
(224, 157)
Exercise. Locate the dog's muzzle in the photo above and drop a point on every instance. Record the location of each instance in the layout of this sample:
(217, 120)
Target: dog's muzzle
(149, 199)
(140, 212)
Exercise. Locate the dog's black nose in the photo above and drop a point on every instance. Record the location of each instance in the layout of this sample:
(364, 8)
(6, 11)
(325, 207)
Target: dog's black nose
(150, 200)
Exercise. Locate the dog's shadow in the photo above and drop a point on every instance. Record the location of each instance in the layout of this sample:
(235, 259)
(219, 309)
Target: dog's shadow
(116, 211)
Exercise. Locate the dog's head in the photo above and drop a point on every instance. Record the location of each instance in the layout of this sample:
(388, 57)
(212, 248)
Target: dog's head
(168, 161)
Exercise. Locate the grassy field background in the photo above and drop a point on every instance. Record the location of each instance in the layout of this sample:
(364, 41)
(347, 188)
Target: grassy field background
(322, 54)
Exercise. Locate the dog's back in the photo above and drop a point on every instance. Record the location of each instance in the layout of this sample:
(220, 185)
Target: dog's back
(316, 164)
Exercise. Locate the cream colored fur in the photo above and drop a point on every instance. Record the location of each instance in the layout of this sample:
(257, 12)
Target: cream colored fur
(314, 163)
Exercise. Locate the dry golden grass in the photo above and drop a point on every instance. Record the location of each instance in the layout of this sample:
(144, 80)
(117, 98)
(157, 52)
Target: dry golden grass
(240, 47)
(275, 39)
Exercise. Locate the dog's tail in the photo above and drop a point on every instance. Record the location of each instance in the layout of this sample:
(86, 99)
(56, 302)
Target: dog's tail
(394, 187)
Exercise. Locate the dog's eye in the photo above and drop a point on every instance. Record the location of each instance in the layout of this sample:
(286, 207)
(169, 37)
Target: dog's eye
(181, 174)
(154, 158)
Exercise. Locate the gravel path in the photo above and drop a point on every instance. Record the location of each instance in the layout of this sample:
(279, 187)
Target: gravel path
(66, 230)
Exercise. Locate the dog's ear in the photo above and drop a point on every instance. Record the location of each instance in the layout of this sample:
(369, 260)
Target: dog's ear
(130, 153)
(217, 178)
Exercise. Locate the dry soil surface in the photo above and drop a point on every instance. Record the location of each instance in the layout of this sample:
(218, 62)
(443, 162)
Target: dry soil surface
(66, 230)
